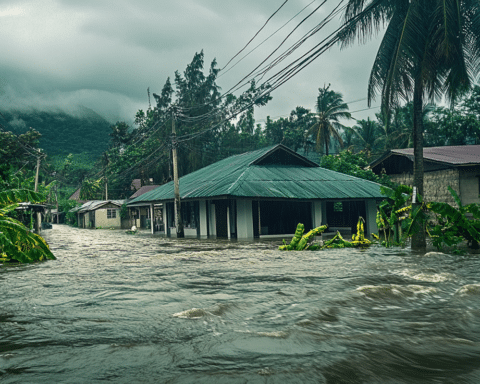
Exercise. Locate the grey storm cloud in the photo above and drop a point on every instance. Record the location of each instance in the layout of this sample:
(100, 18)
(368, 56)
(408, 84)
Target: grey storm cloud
(104, 54)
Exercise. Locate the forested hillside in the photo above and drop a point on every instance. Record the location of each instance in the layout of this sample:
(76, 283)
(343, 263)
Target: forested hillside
(87, 132)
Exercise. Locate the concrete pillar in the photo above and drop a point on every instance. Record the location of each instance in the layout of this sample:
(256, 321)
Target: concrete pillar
(244, 219)
(203, 218)
(370, 220)
(165, 218)
(213, 221)
(317, 213)
(152, 222)
(228, 224)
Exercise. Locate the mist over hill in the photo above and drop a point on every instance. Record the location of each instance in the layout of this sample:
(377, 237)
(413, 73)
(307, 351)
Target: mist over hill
(84, 131)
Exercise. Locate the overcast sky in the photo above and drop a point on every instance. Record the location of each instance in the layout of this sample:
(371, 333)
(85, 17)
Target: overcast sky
(104, 54)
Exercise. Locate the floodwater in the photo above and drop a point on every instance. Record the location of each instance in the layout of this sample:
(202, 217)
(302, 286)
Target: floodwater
(117, 308)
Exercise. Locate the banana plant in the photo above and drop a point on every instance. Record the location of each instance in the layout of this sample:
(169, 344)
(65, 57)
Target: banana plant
(17, 242)
(393, 214)
(452, 226)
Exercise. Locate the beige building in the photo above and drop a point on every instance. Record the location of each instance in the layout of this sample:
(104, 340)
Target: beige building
(454, 166)
(100, 214)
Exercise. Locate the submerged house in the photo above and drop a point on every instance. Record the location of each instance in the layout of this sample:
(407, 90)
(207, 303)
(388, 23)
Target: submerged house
(140, 215)
(99, 213)
(455, 166)
(264, 193)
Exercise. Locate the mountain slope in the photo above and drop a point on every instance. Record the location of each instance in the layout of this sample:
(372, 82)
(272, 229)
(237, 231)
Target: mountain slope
(62, 133)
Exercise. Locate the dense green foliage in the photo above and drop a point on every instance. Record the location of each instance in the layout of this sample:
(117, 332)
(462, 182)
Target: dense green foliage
(354, 164)
(62, 133)
(17, 242)
(450, 225)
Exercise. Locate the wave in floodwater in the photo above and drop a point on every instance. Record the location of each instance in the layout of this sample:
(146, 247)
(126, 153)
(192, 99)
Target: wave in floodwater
(144, 309)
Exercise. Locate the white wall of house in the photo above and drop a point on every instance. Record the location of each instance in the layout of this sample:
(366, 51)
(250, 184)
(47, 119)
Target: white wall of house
(101, 219)
(190, 232)
(244, 219)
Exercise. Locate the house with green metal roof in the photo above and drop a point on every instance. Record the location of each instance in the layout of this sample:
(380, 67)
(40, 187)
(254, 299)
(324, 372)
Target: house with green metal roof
(264, 193)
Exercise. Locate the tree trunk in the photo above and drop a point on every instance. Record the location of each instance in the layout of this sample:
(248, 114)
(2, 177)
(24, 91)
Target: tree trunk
(418, 239)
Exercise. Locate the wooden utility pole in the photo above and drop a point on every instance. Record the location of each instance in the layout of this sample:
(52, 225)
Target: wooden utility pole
(37, 172)
(38, 214)
(178, 211)
(105, 175)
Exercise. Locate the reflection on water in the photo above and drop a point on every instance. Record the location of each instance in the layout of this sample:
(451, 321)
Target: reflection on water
(139, 309)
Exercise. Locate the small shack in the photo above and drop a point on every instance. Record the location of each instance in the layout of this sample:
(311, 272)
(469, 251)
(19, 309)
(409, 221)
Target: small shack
(99, 214)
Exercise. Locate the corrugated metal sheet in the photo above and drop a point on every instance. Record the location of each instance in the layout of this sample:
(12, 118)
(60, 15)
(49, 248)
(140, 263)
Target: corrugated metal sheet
(236, 176)
(94, 204)
(455, 154)
(142, 190)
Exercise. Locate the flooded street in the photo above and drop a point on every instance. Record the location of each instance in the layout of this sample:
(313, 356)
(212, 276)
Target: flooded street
(140, 309)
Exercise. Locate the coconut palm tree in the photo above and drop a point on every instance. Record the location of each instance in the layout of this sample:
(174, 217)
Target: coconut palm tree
(330, 109)
(366, 132)
(430, 48)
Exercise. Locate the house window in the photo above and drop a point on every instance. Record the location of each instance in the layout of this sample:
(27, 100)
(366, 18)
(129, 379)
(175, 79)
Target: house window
(111, 213)
(338, 206)
(189, 214)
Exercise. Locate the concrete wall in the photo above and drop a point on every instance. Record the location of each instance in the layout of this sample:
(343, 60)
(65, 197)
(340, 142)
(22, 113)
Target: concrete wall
(435, 184)
(101, 219)
(469, 186)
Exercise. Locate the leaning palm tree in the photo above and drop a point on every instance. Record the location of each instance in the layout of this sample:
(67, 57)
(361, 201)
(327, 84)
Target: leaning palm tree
(17, 243)
(430, 48)
(330, 109)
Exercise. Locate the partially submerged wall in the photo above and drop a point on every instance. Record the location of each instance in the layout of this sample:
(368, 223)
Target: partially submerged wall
(435, 184)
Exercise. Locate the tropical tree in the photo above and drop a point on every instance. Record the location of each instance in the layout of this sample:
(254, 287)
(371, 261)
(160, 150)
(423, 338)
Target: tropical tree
(17, 242)
(330, 109)
(366, 132)
(91, 189)
(430, 47)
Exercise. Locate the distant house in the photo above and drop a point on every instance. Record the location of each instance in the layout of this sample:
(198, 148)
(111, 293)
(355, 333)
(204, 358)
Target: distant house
(264, 193)
(455, 166)
(99, 213)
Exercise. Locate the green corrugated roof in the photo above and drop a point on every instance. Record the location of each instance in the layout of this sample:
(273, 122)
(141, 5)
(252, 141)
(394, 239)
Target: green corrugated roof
(273, 172)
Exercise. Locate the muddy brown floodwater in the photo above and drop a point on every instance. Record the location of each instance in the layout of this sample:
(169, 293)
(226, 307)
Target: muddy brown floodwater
(140, 309)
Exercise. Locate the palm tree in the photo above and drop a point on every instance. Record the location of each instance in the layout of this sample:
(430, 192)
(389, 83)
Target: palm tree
(430, 48)
(366, 132)
(330, 109)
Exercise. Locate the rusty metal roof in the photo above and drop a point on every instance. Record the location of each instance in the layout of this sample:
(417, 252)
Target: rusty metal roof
(142, 190)
(454, 154)
(273, 172)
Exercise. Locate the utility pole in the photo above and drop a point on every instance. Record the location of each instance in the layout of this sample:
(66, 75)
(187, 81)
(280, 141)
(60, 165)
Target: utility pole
(38, 214)
(178, 211)
(105, 175)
